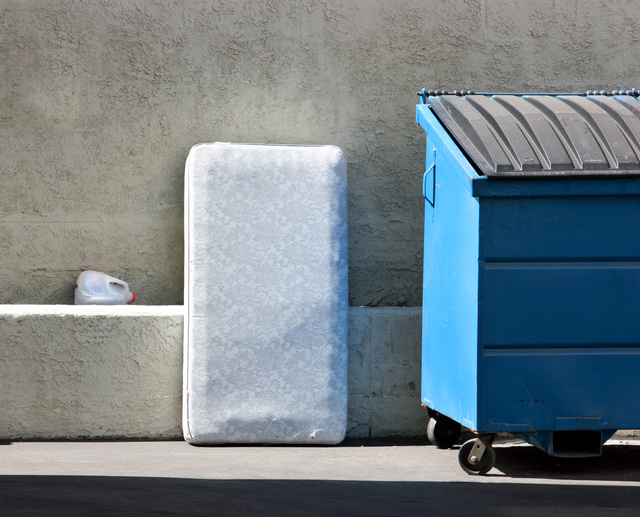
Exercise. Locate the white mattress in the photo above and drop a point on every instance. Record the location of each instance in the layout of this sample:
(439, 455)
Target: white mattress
(265, 294)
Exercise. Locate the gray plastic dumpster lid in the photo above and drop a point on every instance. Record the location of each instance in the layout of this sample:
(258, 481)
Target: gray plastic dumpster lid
(545, 135)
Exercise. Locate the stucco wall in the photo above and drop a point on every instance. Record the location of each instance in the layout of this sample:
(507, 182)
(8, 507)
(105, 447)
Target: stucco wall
(102, 99)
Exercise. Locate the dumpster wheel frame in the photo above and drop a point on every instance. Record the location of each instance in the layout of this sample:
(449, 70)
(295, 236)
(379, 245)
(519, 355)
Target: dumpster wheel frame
(477, 456)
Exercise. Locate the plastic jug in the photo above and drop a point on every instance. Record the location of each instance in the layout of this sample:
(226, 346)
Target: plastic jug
(96, 288)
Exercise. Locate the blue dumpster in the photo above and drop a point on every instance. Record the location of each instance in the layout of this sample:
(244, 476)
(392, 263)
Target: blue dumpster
(531, 310)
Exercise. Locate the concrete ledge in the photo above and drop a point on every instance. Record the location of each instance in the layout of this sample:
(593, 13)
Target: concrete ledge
(385, 346)
(90, 371)
(100, 372)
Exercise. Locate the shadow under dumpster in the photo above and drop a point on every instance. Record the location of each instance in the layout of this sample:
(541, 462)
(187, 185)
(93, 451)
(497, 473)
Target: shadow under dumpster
(619, 462)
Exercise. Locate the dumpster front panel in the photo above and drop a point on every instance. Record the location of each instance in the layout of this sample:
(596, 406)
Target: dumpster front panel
(450, 309)
(559, 305)
(563, 304)
(561, 229)
(529, 390)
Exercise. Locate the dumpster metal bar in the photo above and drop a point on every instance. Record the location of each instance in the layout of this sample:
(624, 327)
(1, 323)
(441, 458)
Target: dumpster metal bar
(424, 94)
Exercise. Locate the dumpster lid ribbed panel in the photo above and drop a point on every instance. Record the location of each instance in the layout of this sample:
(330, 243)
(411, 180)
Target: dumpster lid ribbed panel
(545, 135)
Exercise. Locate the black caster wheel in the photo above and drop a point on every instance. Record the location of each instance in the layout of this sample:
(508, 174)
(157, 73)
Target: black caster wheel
(469, 462)
(443, 432)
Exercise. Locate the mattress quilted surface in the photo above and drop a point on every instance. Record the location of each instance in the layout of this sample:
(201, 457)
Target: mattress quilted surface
(265, 357)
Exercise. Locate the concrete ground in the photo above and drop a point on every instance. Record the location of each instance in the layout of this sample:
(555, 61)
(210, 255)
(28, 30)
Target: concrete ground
(355, 478)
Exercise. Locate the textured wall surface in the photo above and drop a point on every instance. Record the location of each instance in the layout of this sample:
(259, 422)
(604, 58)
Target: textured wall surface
(102, 100)
(116, 372)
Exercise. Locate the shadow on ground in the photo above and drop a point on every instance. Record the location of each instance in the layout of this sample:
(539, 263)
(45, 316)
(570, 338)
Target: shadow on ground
(93, 495)
(525, 482)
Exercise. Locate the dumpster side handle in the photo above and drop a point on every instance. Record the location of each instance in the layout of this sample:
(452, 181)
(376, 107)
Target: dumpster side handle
(429, 183)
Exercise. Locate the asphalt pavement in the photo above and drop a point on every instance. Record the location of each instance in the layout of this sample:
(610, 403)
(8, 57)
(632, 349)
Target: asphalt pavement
(355, 478)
